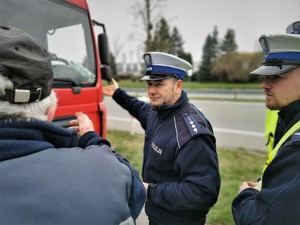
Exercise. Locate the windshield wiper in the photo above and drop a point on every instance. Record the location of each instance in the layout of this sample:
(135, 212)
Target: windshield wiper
(66, 83)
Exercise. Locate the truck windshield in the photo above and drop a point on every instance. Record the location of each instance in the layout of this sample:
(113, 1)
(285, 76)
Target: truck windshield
(63, 29)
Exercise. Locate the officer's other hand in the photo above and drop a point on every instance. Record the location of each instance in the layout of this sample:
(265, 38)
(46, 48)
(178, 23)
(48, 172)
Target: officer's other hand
(249, 184)
(82, 124)
(145, 185)
(110, 89)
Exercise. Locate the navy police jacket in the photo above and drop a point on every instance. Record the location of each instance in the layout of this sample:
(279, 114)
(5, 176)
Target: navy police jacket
(180, 160)
(278, 202)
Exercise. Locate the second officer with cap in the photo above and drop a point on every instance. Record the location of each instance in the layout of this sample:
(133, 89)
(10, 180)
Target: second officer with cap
(180, 166)
(275, 199)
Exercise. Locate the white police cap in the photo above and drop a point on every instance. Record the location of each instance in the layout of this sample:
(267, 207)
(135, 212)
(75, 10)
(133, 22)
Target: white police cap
(162, 65)
(282, 54)
(293, 28)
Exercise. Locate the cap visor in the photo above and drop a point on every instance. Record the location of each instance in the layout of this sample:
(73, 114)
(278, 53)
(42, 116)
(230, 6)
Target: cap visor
(272, 70)
(154, 77)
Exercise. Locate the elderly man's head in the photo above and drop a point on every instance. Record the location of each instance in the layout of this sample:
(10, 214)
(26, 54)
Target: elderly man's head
(25, 76)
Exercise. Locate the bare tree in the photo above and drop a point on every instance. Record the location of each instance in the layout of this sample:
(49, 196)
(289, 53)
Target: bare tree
(150, 13)
(117, 46)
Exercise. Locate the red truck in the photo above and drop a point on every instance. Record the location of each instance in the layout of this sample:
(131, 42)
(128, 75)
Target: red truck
(66, 30)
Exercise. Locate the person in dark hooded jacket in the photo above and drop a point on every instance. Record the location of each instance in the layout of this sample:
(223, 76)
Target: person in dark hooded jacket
(49, 174)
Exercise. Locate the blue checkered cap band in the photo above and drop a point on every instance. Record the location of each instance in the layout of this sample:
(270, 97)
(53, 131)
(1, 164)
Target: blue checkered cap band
(162, 65)
(282, 54)
(281, 49)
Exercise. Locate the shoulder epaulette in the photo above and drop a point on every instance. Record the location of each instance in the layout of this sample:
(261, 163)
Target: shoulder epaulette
(191, 123)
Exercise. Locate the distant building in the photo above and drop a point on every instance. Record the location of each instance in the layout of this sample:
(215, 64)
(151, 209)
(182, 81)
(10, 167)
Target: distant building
(130, 69)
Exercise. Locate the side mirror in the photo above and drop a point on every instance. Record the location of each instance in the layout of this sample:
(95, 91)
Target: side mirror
(103, 49)
(105, 73)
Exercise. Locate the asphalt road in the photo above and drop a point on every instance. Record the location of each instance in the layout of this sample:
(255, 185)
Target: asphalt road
(236, 124)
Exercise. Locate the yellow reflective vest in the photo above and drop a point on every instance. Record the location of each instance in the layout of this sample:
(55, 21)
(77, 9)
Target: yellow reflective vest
(270, 126)
(288, 134)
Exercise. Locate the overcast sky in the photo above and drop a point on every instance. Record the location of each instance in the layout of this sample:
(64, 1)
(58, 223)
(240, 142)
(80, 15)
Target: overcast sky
(195, 19)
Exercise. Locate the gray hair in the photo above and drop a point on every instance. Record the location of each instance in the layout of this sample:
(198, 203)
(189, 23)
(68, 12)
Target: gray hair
(36, 110)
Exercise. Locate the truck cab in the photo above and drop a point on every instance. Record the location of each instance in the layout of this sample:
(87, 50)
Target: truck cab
(80, 62)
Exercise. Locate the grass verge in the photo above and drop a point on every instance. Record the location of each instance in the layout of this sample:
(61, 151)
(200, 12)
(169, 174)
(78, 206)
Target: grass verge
(235, 167)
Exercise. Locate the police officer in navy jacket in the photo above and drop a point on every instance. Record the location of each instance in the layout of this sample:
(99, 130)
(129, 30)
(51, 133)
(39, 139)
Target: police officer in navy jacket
(275, 199)
(180, 166)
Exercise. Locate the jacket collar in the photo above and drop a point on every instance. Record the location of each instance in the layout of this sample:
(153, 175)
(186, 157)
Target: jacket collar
(22, 137)
(170, 110)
